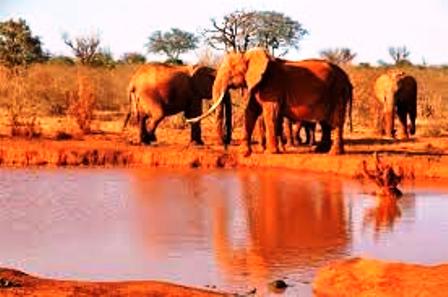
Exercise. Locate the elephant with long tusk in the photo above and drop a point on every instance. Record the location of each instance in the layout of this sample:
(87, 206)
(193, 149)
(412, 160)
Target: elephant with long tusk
(311, 90)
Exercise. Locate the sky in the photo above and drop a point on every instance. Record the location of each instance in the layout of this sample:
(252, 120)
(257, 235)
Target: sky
(367, 27)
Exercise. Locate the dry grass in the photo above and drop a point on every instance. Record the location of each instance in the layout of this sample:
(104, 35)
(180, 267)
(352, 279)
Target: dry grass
(61, 90)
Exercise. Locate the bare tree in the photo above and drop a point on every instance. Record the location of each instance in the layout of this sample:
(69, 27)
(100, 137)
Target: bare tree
(84, 47)
(241, 30)
(338, 55)
(399, 54)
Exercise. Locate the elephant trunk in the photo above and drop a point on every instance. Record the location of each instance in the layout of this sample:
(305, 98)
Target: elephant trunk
(219, 93)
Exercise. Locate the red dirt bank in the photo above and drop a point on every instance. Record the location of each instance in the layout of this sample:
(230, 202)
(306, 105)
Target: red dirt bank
(420, 158)
(364, 277)
(16, 283)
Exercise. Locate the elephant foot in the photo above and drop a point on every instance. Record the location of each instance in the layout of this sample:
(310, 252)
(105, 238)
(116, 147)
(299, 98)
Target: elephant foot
(272, 151)
(336, 150)
(145, 140)
(198, 142)
(323, 147)
(247, 153)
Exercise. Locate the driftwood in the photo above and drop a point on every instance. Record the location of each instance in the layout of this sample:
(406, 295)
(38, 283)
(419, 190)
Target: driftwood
(385, 177)
(17, 283)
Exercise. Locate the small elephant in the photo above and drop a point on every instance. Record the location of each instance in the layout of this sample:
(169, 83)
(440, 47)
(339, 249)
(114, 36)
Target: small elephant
(289, 132)
(397, 92)
(293, 131)
(158, 90)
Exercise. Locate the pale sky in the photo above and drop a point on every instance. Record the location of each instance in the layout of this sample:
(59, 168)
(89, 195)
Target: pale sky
(367, 27)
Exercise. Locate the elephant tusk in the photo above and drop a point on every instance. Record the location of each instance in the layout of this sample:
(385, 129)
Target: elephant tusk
(204, 115)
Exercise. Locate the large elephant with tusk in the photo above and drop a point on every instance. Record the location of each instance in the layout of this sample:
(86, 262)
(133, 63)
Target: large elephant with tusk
(312, 90)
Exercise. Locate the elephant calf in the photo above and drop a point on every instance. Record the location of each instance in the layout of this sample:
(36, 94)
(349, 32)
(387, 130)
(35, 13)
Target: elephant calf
(396, 92)
(158, 90)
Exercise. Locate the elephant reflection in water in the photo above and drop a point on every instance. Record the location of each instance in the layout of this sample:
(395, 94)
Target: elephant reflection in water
(287, 228)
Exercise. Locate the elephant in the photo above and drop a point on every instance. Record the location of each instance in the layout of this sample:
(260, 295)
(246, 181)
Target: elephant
(289, 132)
(157, 90)
(396, 92)
(293, 132)
(312, 90)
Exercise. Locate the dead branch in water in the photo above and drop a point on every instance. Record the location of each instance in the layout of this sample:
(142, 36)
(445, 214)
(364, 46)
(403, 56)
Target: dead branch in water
(385, 177)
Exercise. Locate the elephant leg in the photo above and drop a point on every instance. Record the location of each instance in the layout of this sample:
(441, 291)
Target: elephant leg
(270, 116)
(262, 132)
(144, 137)
(338, 146)
(195, 110)
(294, 137)
(412, 116)
(402, 116)
(325, 144)
(155, 119)
(312, 134)
(224, 128)
(282, 125)
(253, 110)
(228, 116)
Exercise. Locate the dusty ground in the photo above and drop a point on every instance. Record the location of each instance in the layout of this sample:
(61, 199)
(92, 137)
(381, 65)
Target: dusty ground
(16, 283)
(420, 157)
(365, 277)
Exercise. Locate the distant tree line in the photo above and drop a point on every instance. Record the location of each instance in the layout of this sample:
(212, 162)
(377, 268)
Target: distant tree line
(236, 31)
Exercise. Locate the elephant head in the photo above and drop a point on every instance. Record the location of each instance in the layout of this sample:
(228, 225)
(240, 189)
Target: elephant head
(202, 78)
(238, 70)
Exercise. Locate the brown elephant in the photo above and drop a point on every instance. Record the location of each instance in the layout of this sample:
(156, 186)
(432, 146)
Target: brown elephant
(158, 90)
(397, 93)
(289, 132)
(313, 90)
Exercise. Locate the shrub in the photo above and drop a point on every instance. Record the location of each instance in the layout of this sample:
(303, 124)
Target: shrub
(82, 103)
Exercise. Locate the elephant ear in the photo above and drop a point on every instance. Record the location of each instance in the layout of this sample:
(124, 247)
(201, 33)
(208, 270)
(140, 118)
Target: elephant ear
(257, 64)
(202, 78)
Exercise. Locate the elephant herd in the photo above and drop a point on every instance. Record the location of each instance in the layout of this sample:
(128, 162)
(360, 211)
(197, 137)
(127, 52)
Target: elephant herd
(301, 92)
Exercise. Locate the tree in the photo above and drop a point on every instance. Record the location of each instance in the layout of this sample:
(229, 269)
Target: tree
(103, 58)
(18, 47)
(84, 47)
(172, 43)
(400, 55)
(133, 58)
(61, 60)
(240, 30)
(338, 55)
(277, 31)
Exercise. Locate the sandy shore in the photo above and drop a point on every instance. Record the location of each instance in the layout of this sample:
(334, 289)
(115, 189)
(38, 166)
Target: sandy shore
(17, 283)
(366, 277)
(419, 158)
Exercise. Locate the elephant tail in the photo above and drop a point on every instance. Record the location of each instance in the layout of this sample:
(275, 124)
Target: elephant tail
(350, 106)
(132, 102)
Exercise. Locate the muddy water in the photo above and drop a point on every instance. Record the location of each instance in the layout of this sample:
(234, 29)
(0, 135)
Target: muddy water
(236, 230)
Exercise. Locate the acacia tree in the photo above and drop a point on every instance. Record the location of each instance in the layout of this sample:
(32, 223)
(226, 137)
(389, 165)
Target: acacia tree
(172, 43)
(133, 58)
(338, 55)
(84, 47)
(241, 30)
(399, 54)
(18, 47)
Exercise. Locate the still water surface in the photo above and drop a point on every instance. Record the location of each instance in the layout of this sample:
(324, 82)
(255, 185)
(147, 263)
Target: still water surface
(236, 230)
